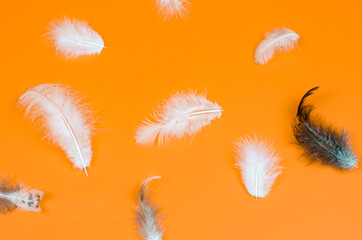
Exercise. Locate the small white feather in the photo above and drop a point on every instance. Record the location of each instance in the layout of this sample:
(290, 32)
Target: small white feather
(279, 39)
(259, 165)
(184, 114)
(73, 38)
(171, 8)
(65, 120)
(148, 221)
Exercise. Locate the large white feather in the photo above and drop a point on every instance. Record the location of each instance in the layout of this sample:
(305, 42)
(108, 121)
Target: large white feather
(171, 8)
(147, 219)
(65, 120)
(73, 38)
(259, 165)
(279, 39)
(184, 114)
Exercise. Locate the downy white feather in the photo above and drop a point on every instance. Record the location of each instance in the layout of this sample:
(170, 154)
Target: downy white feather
(65, 120)
(73, 38)
(279, 39)
(17, 196)
(171, 8)
(259, 165)
(148, 222)
(184, 114)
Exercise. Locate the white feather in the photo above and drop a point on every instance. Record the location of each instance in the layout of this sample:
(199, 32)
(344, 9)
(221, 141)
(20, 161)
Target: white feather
(65, 120)
(25, 199)
(279, 39)
(73, 38)
(147, 218)
(259, 165)
(170, 8)
(184, 114)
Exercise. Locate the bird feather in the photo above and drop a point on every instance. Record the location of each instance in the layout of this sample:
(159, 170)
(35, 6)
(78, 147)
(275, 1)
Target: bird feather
(259, 165)
(65, 120)
(278, 40)
(183, 114)
(320, 142)
(172, 8)
(147, 217)
(18, 197)
(73, 38)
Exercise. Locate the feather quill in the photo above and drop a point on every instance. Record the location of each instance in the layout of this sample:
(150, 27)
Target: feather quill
(278, 40)
(74, 38)
(147, 219)
(184, 114)
(259, 165)
(172, 8)
(65, 120)
(322, 143)
(18, 197)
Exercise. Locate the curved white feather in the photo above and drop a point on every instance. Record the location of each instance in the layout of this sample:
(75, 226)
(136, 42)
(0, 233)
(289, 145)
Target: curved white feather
(279, 39)
(171, 8)
(148, 221)
(259, 165)
(184, 114)
(65, 120)
(73, 38)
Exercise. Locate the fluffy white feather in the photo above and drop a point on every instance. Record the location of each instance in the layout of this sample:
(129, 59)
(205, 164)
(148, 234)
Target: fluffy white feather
(73, 38)
(184, 114)
(279, 39)
(259, 165)
(65, 120)
(171, 8)
(147, 219)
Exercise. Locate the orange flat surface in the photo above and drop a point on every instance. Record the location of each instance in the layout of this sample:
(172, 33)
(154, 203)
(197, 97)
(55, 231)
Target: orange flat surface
(201, 194)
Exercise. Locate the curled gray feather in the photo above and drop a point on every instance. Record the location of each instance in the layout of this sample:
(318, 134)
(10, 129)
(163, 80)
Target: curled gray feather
(322, 143)
(147, 218)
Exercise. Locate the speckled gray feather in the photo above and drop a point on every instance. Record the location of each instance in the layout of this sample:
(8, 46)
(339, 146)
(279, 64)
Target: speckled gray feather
(322, 143)
(14, 196)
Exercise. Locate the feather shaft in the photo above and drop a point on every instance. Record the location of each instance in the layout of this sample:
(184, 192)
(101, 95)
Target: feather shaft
(91, 43)
(203, 112)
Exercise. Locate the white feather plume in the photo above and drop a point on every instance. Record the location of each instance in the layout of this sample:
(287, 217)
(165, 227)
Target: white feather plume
(73, 38)
(64, 119)
(171, 8)
(147, 219)
(259, 165)
(279, 39)
(184, 114)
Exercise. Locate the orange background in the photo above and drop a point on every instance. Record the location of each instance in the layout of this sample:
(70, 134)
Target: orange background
(201, 193)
